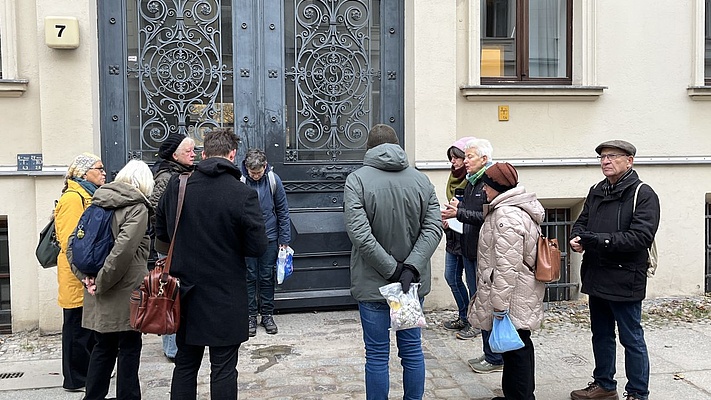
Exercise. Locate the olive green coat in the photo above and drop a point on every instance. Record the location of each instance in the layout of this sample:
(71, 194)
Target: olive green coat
(108, 310)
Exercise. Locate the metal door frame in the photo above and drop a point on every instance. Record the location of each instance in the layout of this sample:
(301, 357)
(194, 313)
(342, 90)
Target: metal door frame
(113, 90)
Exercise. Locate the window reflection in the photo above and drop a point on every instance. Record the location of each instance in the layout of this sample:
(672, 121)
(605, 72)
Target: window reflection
(547, 33)
(521, 49)
(498, 38)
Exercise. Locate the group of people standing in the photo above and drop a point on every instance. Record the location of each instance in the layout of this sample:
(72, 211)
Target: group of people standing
(216, 275)
(395, 223)
(230, 231)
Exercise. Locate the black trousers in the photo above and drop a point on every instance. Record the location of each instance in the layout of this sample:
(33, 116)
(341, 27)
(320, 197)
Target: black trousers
(518, 380)
(77, 344)
(126, 346)
(223, 370)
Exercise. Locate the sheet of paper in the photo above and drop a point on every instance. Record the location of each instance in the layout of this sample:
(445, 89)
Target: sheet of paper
(455, 225)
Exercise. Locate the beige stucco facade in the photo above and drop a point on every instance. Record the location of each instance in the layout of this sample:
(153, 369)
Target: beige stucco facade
(639, 67)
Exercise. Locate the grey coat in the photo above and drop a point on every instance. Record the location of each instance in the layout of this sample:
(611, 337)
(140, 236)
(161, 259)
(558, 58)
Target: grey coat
(391, 214)
(108, 310)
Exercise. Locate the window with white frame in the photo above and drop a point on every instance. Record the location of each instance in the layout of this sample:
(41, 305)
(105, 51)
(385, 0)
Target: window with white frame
(707, 43)
(10, 84)
(526, 49)
(1, 23)
(2, 38)
(526, 41)
(8, 51)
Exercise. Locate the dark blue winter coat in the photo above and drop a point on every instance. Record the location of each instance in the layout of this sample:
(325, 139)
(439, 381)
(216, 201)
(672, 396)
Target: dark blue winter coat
(275, 208)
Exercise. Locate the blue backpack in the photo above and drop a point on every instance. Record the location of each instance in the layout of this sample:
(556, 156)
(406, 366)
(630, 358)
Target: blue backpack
(92, 240)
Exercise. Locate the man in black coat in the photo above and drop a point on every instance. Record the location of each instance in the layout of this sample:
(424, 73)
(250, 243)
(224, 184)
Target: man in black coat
(221, 223)
(614, 234)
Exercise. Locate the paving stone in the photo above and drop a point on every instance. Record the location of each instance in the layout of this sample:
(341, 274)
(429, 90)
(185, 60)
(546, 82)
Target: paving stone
(321, 356)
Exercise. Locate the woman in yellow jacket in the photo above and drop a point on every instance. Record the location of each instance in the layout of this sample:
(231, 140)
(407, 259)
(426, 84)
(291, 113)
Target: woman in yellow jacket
(84, 176)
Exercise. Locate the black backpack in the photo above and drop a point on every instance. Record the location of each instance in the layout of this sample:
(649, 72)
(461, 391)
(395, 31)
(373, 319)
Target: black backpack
(92, 240)
(48, 247)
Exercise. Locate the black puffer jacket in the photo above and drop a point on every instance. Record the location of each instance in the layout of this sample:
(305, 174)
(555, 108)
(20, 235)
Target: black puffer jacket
(615, 267)
(471, 213)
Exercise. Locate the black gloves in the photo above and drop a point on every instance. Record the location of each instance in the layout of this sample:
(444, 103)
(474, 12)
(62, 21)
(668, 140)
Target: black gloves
(405, 274)
(409, 275)
(591, 240)
(588, 239)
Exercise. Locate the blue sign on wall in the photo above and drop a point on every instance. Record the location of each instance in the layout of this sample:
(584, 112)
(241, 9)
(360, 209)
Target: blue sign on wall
(29, 162)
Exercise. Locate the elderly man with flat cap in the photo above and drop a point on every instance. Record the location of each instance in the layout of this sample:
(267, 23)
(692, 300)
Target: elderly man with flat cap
(617, 226)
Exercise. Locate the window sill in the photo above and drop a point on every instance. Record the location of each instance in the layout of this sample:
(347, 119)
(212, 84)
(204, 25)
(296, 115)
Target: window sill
(13, 87)
(699, 92)
(532, 92)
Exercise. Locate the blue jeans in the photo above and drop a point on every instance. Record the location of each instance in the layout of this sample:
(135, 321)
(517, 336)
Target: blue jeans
(490, 356)
(453, 271)
(628, 316)
(170, 349)
(261, 279)
(375, 320)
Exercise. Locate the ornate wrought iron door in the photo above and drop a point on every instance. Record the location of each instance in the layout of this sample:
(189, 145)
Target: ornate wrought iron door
(303, 79)
(325, 71)
(173, 73)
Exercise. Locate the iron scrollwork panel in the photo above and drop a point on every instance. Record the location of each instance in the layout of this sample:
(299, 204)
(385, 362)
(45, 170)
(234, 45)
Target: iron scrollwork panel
(333, 78)
(179, 71)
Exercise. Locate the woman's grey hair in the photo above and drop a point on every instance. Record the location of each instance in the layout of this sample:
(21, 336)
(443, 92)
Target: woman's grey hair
(137, 174)
(187, 142)
(483, 148)
(255, 159)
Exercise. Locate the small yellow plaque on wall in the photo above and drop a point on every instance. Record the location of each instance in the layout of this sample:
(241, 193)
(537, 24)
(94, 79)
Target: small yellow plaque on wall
(61, 32)
(503, 113)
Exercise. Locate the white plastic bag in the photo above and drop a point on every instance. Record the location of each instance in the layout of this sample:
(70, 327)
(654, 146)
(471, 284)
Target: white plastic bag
(285, 264)
(405, 309)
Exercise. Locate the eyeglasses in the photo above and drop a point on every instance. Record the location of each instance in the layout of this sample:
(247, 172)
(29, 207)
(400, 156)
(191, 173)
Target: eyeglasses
(100, 169)
(610, 156)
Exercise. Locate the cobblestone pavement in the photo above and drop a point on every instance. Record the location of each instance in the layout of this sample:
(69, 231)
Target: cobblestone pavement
(320, 356)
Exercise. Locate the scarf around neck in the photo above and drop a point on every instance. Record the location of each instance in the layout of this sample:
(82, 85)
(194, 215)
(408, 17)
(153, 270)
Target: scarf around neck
(454, 183)
(608, 187)
(88, 186)
(474, 178)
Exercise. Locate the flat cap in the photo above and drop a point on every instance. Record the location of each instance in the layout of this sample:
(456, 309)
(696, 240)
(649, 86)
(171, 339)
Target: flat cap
(627, 147)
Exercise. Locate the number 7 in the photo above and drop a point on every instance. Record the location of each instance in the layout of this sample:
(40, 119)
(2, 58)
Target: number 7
(61, 29)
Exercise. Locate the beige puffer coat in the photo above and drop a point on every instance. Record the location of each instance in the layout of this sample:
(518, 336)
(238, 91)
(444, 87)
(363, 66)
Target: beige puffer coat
(509, 237)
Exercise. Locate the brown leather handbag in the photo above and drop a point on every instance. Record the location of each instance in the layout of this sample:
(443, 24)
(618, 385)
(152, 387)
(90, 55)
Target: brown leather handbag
(547, 260)
(155, 305)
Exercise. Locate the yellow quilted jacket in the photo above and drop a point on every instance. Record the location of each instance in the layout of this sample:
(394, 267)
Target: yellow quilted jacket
(66, 215)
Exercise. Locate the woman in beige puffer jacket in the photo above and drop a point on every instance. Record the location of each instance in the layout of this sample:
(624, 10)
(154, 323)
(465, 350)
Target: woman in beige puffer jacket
(507, 245)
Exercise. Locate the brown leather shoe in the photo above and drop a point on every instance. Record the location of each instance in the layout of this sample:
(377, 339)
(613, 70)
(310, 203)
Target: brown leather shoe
(594, 391)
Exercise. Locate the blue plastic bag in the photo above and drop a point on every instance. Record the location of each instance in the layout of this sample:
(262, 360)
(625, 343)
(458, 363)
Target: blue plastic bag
(504, 336)
(285, 264)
